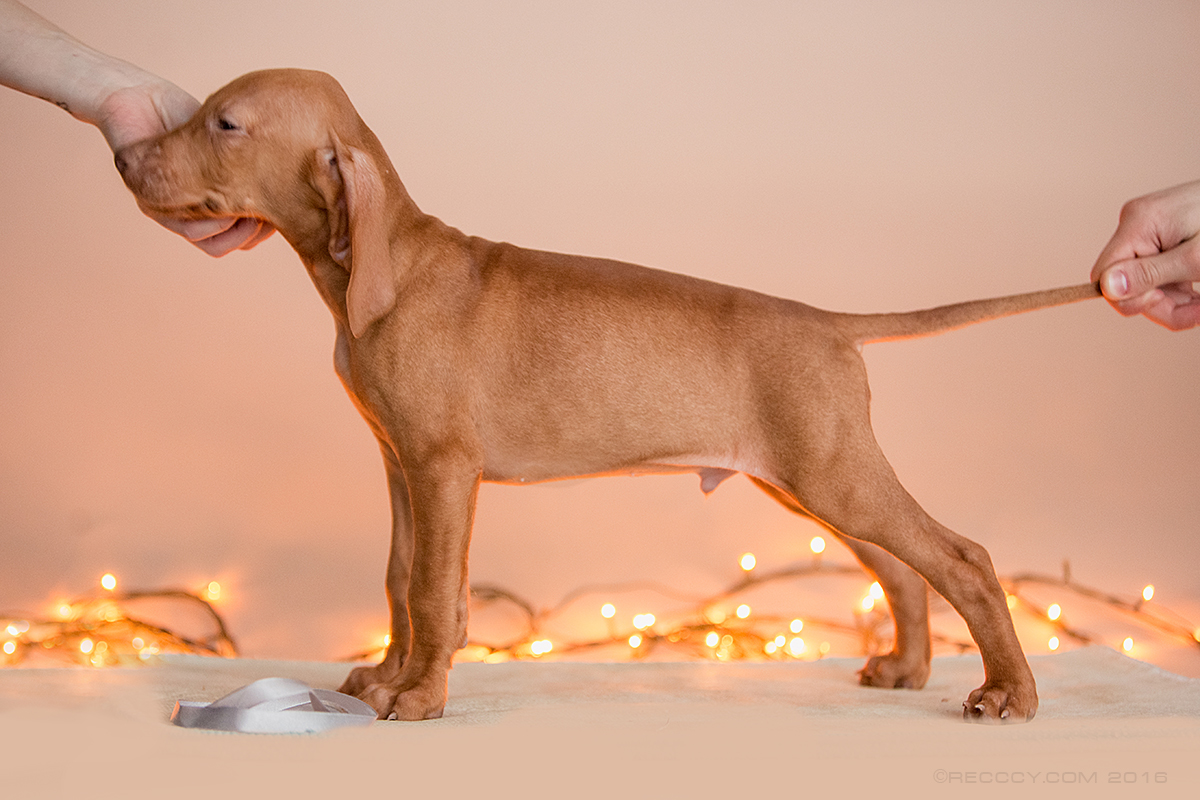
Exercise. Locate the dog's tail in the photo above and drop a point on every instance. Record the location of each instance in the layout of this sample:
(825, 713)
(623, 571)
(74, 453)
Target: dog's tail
(864, 328)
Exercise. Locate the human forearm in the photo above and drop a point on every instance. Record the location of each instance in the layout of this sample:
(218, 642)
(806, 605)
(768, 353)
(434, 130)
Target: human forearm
(125, 102)
(40, 59)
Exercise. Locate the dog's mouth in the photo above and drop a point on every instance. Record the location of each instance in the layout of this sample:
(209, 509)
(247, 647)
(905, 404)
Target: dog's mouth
(158, 191)
(186, 211)
(208, 222)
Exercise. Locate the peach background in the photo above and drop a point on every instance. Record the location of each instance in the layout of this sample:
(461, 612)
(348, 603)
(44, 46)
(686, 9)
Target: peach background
(176, 419)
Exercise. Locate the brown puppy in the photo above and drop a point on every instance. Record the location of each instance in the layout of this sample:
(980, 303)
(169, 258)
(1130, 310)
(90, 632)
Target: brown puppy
(480, 361)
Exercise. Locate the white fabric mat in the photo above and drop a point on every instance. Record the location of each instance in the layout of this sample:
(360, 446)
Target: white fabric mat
(1106, 724)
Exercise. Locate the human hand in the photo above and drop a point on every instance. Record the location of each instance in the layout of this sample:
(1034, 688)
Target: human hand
(1150, 264)
(134, 113)
(124, 101)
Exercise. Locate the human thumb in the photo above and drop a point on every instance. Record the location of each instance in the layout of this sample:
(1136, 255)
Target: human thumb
(1137, 276)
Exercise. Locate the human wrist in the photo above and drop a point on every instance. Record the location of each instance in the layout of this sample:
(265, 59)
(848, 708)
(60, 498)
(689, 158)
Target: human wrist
(93, 78)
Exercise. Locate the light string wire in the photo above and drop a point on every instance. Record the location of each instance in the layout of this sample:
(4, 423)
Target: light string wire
(100, 629)
(705, 630)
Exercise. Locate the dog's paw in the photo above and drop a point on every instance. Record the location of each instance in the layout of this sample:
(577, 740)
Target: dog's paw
(998, 703)
(892, 671)
(424, 701)
(360, 678)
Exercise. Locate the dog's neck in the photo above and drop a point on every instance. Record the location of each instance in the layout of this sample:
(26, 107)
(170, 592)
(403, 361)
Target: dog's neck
(331, 280)
(312, 239)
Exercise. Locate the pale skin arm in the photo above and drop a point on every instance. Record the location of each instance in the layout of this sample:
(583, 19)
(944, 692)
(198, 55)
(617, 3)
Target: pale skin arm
(124, 101)
(1153, 259)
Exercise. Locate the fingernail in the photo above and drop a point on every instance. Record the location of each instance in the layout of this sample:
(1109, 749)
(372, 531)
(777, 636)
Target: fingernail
(1116, 284)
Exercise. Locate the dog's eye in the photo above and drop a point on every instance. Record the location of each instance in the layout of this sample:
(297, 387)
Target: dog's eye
(224, 124)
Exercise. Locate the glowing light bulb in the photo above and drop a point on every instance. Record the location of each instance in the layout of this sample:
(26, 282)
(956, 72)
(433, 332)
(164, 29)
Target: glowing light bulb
(796, 626)
(817, 545)
(10, 648)
(1053, 643)
(1011, 601)
(108, 581)
(12, 630)
(1054, 612)
(868, 603)
(635, 641)
(1148, 592)
(712, 639)
(138, 643)
(608, 611)
(213, 591)
(87, 646)
(780, 640)
(796, 647)
(747, 561)
(643, 621)
(876, 591)
(541, 647)
(1127, 645)
(770, 647)
(743, 611)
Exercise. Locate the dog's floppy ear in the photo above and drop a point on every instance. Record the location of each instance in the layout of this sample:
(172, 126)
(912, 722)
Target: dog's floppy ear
(355, 197)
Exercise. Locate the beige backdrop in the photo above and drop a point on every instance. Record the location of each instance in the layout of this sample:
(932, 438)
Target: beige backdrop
(176, 419)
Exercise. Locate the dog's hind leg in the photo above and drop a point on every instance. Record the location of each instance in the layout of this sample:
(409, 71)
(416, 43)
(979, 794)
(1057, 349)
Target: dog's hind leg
(867, 503)
(830, 463)
(907, 665)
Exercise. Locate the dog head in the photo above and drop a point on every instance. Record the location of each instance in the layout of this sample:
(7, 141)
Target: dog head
(287, 147)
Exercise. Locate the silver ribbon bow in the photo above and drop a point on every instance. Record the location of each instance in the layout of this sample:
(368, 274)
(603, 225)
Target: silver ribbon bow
(275, 705)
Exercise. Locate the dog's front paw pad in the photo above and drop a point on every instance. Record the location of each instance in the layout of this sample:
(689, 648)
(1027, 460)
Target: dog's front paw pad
(998, 705)
(361, 679)
(415, 705)
(380, 697)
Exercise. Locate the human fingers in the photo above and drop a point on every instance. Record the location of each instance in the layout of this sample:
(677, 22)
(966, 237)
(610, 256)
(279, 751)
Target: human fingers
(242, 234)
(1177, 307)
(135, 113)
(1151, 224)
(220, 235)
(1136, 277)
(195, 230)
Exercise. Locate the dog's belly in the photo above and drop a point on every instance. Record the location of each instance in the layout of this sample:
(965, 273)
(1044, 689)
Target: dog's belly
(525, 471)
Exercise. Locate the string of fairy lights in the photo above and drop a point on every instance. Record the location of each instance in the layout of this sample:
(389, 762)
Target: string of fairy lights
(105, 628)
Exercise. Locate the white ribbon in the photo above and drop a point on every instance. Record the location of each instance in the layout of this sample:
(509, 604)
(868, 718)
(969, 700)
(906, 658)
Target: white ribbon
(275, 705)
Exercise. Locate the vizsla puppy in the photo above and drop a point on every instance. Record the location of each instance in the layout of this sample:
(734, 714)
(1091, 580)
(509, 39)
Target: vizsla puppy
(480, 361)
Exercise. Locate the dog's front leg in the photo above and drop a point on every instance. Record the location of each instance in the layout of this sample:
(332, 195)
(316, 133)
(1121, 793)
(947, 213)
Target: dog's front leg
(442, 488)
(399, 571)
